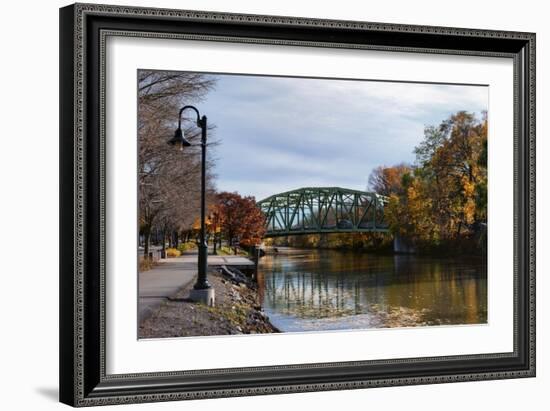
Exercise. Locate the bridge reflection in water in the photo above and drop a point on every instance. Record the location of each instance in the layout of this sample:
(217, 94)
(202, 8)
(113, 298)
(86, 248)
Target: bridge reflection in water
(309, 290)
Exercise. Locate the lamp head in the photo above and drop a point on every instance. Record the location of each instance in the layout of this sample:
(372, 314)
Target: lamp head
(179, 139)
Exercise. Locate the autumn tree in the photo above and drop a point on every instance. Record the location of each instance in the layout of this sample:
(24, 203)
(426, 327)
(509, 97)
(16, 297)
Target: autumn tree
(457, 174)
(445, 197)
(388, 180)
(215, 221)
(240, 218)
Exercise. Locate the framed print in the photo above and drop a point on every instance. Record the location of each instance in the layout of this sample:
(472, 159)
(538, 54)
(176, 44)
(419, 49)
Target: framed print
(262, 204)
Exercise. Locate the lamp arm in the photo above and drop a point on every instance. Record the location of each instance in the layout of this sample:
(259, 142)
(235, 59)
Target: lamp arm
(192, 108)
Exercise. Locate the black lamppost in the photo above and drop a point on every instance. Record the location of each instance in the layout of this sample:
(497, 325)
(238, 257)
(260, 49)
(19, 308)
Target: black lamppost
(202, 290)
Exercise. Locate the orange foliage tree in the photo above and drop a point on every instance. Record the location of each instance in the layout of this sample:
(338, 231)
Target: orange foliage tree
(239, 218)
(388, 180)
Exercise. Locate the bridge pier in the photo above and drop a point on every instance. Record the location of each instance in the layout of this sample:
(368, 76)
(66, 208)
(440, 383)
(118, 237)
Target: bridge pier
(403, 245)
(323, 241)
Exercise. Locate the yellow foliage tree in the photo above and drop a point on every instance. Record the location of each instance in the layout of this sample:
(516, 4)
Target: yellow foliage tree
(445, 196)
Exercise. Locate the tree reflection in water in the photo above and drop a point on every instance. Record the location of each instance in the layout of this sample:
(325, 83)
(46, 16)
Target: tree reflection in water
(307, 290)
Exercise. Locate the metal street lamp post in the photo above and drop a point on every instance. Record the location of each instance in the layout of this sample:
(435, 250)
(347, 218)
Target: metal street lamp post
(202, 291)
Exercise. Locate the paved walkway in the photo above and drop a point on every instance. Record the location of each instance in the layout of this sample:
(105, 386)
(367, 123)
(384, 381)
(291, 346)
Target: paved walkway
(162, 282)
(217, 260)
(172, 274)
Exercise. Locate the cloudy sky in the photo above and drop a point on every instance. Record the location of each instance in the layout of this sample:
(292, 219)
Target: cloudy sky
(277, 134)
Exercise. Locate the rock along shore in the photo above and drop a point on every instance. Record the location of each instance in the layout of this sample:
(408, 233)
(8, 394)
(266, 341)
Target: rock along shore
(237, 311)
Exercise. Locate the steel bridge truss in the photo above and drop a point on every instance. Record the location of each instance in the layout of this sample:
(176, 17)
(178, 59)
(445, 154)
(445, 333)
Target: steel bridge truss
(315, 210)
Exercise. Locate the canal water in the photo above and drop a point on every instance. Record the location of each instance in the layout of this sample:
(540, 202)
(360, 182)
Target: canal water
(313, 290)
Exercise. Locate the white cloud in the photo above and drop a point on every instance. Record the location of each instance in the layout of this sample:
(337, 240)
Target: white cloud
(278, 134)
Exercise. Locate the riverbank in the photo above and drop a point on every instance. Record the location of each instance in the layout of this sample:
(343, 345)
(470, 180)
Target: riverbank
(237, 311)
(383, 244)
(367, 242)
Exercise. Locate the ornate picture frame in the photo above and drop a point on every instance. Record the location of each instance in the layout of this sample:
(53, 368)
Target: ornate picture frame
(84, 29)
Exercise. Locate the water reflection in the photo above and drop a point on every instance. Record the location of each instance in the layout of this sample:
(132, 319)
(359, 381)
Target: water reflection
(307, 290)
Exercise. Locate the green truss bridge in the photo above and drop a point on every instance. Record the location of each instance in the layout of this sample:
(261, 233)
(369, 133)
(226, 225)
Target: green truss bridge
(317, 210)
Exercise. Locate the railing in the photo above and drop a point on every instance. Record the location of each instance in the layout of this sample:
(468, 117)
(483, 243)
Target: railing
(155, 253)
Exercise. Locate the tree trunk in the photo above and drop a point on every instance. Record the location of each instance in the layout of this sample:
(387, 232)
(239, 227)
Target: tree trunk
(146, 241)
(163, 252)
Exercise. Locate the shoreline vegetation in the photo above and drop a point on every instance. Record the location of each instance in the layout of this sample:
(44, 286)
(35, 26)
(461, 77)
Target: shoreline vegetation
(381, 244)
(439, 204)
(237, 311)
